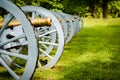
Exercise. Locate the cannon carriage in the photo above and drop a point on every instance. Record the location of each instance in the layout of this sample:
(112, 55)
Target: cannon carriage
(33, 36)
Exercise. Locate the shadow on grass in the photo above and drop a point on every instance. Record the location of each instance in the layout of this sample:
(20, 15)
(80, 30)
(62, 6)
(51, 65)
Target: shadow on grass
(92, 70)
(98, 57)
(4, 75)
(102, 65)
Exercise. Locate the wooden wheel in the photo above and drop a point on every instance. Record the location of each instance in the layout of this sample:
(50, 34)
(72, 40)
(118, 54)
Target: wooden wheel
(50, 38)
(26, 59)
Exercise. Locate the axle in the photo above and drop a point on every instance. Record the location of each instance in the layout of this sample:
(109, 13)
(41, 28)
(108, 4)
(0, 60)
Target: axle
(35, 22)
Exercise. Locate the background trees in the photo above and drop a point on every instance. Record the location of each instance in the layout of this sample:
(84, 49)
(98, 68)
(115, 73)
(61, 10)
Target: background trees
(49, 4)
(93, 8)
(84, 8)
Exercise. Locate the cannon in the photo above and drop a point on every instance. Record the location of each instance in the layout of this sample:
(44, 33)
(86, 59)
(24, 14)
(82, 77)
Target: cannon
(48, 37)
(32, 35)
(35, 22)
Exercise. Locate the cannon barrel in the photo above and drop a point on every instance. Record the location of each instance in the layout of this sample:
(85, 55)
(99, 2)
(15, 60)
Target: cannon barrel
(37, 22)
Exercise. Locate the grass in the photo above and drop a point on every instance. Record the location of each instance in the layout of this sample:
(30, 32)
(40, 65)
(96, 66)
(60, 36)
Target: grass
(92, 54)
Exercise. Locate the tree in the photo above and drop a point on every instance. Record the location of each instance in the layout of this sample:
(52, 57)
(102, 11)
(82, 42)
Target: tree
(76, 7)
(93, 7)
(84, 8)
(114, 8)
(49, 4)
(105, 8)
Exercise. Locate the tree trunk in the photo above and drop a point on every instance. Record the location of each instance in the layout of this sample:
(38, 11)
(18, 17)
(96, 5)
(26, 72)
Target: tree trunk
(105, 8)
(94, 8)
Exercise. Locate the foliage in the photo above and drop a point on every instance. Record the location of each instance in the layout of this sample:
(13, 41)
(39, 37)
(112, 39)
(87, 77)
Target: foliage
(88, 8)
(114, 8)
(84, 8)
(76, 7)
(49, 4)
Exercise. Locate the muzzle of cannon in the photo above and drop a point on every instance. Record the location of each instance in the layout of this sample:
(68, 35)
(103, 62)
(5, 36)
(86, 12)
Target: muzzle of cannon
(35, 22)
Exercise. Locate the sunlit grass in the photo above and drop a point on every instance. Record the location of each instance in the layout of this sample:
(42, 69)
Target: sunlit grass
(102, 56)
(92, 54)
(93, 22)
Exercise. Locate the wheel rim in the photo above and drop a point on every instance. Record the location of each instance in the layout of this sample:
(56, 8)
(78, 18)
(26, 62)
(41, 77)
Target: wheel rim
(29, 57)
(63, 23)
(57, 43)
(70, 26)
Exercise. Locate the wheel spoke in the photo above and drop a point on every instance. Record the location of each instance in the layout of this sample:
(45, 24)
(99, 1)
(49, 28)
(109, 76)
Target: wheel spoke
(17, 65)
(33, 15)
(13, 39)
(10, 17)
(13, 54)
(44, 46)
(49, 32)
(54, 44)
(14, 59)
(46, 53)
(39, 64)
(8, 69)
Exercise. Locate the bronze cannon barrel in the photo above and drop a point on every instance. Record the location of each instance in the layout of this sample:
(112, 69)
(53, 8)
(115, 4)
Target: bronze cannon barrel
(37, 22)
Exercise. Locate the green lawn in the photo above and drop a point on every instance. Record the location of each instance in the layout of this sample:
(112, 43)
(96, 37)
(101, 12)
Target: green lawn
(92, 54)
